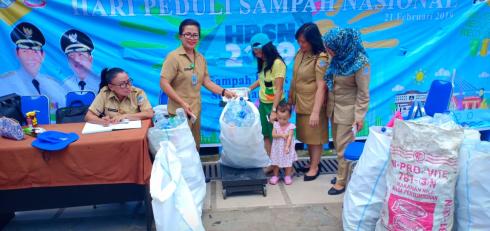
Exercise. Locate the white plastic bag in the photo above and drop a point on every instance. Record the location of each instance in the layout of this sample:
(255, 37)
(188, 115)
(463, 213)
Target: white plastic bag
(174, 205)
(243, 147)
(155, 136)
(366, 189)
(185, 150)
(473, 187)
(421, 177)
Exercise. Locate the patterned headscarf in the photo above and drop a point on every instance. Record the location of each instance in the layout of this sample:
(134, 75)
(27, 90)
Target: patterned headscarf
(350, 55)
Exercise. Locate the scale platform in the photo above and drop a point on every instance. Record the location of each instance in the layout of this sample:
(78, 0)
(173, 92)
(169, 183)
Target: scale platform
(243, 180)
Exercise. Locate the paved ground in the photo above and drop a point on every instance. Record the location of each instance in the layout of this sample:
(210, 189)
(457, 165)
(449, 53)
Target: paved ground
(300, 206)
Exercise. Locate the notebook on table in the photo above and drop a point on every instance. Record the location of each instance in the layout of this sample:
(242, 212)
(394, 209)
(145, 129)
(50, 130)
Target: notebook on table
(90, 128)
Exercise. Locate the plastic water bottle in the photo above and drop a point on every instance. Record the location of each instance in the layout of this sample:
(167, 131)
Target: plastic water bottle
(160, 119)
(164, 124)
(164, 110)
(181, 116)
(249, 120)
(157, 119)
(247, 116)
(231, 113)
(239, 114)
(172, 122)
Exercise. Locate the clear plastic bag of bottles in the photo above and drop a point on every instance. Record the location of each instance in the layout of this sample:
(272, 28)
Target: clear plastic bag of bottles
(163, 120)
(239, 113)
(241, 136)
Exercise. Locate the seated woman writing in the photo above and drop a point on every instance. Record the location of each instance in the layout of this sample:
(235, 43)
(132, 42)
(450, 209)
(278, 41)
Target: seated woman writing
(118, 100)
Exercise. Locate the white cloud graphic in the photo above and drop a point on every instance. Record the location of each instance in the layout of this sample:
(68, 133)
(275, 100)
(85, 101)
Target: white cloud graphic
(484, 75)
(442, 72)
(398, 88)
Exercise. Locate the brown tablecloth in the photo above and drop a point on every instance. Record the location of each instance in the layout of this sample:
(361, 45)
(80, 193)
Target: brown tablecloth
(101, 158)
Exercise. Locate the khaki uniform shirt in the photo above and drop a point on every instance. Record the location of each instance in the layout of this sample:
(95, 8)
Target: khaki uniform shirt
(106, 103)
(349, 100)
(178, 69)
(308, 68)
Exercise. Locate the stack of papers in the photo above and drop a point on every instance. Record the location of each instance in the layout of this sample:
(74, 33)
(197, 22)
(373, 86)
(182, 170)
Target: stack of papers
(90, 128)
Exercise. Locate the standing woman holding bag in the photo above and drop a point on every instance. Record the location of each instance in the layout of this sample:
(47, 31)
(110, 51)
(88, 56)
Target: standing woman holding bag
(272, 72)
(348, 83)
(307, 93)
(183, 73)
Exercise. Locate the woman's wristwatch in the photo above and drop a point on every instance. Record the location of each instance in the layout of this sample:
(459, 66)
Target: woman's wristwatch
(223, 92)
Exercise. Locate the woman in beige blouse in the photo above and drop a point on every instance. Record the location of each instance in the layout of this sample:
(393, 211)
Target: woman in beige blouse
(307, 93)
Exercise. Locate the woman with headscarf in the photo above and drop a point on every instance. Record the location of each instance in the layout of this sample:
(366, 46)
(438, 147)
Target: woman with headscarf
(348, 96)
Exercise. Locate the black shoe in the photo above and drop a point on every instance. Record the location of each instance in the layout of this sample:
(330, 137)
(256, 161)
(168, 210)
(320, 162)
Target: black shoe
(310, 178)
(333, 181)
(334, 191)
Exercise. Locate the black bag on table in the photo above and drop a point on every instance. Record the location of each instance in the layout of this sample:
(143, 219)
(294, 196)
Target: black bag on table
(71, 114)
(10, 107)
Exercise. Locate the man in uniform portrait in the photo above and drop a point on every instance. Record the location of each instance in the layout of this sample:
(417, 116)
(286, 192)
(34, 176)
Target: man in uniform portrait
(78, 48)
(27, 80)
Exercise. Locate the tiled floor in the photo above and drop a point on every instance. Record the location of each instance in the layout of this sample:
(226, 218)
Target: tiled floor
(300, 206)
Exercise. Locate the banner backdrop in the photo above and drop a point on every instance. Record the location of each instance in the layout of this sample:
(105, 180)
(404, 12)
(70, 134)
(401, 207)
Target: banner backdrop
(410, 43)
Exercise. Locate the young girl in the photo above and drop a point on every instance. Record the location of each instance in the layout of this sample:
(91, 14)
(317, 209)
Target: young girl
(283, 154)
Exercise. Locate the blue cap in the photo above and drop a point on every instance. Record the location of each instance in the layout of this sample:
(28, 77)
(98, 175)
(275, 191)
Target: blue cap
(54, 140)
(259, 40)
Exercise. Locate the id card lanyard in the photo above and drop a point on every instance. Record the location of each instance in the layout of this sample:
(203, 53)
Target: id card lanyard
(194, 75)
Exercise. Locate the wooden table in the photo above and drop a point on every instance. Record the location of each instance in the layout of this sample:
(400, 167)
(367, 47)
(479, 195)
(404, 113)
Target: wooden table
(98, 168)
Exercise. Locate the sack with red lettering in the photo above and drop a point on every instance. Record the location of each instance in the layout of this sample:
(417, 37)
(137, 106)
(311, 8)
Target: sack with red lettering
(421, 177)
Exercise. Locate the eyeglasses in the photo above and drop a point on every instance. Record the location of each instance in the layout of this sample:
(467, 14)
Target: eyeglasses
(124, 84)
(191, 35)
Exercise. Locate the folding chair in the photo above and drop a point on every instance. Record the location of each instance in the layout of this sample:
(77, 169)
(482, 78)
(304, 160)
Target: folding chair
(437, 100)
(38, 103)
(79, 98)
(416, 110)
(352, 154)
(439, 97)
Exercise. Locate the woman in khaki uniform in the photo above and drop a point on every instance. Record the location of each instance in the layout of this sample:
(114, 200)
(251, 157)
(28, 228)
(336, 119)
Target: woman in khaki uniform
(307, 94)
(118, 100)
(348, 97)
(183, 73)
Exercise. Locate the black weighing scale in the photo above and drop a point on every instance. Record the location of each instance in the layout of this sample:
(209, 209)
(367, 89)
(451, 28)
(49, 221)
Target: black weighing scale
(242, 180)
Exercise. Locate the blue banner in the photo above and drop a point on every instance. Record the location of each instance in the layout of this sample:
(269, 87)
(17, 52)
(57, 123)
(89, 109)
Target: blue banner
(410, 43)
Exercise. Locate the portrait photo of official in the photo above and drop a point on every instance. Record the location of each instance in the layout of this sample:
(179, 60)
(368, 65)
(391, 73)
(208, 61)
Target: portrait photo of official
(27, 79)
(78, 48)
